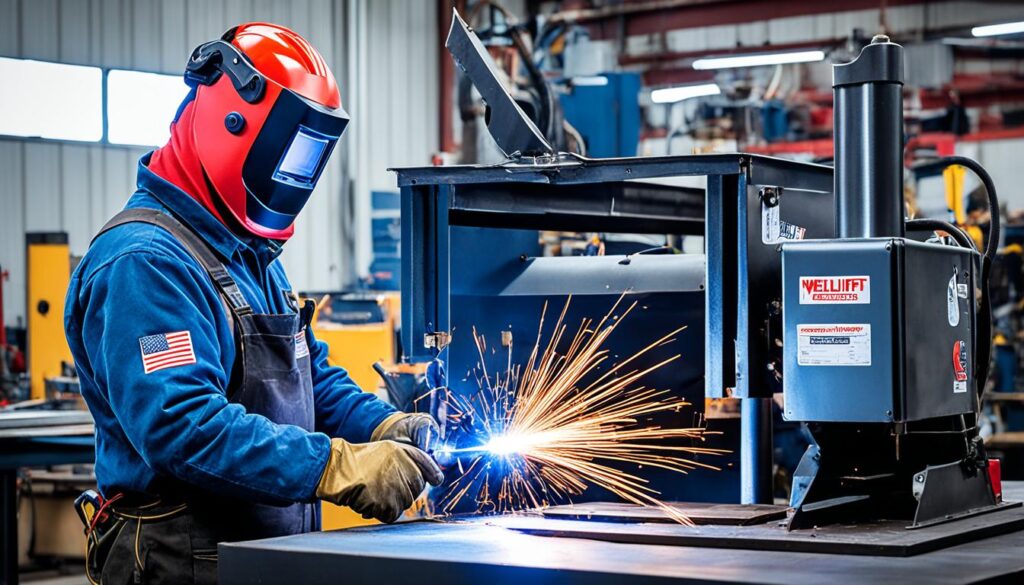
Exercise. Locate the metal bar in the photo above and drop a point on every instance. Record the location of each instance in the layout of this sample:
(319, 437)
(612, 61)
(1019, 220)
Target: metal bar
(869, 142)
(719, 329)
(756, 451)
(8, 526)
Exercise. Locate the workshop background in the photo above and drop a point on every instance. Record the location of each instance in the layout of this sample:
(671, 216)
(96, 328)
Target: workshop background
(630, 78)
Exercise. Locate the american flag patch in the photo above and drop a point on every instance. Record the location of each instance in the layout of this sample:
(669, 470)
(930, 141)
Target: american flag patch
(166, 350)
(301, 349)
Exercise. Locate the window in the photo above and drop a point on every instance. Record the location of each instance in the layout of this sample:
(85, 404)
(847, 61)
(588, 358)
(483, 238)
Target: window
(141, 106)
(51, 100)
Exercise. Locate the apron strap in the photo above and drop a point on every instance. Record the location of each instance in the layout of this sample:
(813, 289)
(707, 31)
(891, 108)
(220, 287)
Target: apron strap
(199, 249)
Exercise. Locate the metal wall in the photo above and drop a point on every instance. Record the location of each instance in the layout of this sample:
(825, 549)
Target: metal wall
(387, 45)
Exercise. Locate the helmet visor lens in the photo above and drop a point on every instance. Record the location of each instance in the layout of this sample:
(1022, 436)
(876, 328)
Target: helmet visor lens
(303, 159)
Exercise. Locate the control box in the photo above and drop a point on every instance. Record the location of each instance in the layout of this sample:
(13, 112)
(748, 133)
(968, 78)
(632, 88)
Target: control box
(877, 330)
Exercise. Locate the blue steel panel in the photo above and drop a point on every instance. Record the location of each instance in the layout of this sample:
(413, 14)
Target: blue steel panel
(425, 267)
(840, 393)
(740, 232)
(714, 331)
(411, 247)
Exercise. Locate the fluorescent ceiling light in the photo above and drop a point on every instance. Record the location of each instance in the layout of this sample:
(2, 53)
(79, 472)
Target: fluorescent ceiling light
(759, 60)
(670, 95)
(141, 106)
(991, 30)
(590, 81)
(51, 100)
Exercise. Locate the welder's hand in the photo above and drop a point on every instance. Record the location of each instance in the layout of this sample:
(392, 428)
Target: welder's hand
(418, 429)
(377, 480)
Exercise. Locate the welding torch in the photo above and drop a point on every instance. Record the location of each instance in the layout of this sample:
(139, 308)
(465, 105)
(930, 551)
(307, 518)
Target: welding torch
(458, 436)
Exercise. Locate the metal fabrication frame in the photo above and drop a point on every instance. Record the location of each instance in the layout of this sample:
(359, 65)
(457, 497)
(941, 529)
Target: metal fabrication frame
(743, 270)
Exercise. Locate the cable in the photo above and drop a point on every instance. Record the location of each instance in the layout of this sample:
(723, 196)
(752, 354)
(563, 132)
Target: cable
(927, 224)
(990, 190)
(985, 306)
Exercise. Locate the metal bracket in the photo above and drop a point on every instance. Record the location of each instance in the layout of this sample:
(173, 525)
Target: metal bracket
(437, 340)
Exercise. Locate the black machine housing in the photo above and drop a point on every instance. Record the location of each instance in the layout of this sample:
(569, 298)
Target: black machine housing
(881, 334)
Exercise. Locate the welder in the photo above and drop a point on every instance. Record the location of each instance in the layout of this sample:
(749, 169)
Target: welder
(217, 415)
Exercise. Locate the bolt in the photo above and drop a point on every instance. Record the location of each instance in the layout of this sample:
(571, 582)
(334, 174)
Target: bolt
(919, 478)
(879, 39)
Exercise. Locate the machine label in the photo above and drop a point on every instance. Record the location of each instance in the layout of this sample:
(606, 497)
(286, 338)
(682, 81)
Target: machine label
(834, 344)
(952, 302)
(838, 290)
(774, 230)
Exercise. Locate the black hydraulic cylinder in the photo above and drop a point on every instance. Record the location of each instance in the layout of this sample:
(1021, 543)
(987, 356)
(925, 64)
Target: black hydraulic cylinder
(868, 128)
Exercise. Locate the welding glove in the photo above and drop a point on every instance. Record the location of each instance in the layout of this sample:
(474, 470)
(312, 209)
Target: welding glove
(377, 480)
(417, 429)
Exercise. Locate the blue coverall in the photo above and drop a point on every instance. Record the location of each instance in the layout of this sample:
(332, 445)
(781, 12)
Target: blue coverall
(137, 281)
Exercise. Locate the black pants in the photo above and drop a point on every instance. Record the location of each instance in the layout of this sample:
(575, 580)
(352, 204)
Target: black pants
(157, 544)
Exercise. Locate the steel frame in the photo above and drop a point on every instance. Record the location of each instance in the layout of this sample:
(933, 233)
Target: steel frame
(743, 274)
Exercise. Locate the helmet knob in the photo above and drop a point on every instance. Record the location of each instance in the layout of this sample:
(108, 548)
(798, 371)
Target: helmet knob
(234, 122)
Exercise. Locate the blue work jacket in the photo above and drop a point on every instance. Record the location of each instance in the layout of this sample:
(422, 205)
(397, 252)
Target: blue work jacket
(137, 281)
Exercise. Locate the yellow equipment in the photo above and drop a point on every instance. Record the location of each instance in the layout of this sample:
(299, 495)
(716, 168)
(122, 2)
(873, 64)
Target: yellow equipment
(358, 332)
(48, 267)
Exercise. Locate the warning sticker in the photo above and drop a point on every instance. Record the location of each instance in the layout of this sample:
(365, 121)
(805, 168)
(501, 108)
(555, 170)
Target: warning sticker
(835, 290)
(775, 230)
(834, 344)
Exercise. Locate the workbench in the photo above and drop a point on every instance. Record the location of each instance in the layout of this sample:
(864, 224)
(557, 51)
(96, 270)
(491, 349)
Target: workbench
(34, 439)
(480, 550)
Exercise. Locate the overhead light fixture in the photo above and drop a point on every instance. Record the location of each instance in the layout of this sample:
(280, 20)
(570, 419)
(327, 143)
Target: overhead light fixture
(991, 30)
(758, 60)
(670, 95)
(590, 81)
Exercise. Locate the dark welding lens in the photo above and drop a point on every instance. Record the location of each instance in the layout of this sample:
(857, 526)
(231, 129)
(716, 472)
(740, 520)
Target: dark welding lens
(301, 161)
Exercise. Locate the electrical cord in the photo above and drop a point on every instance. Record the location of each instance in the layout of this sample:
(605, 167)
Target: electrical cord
(984, 354)
(926, 224)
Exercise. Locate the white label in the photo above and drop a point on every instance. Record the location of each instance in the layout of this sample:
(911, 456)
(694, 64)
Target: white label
(775, 230)
(834, 344)
(959, 387)
(835, 290)
(952, 303)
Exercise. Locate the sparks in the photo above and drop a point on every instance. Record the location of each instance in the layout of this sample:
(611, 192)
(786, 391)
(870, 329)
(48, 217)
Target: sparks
(555, 425)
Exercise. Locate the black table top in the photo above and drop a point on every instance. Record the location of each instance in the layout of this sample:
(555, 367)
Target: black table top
(480, 550)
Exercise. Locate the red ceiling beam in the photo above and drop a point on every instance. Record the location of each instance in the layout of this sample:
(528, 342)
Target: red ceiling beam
(675, 76)
(669, 56)
(446, 88)
(639, 18)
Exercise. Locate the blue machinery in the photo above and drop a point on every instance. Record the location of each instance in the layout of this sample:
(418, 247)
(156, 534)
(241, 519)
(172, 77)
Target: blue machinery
(875, 339)
(883, 345)
(444, 205)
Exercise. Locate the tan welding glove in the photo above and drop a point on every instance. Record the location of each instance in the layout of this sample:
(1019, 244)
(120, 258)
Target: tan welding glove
(377, 480)
(417, 429)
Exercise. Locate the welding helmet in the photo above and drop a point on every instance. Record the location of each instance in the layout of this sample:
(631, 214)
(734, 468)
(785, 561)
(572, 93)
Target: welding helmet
(267, 116)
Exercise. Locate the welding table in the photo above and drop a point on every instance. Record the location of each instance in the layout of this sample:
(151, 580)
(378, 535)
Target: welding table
(478, 551)
(31, 439)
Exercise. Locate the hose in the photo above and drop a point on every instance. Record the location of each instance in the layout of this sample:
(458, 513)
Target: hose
(984, 354)
(927, 225)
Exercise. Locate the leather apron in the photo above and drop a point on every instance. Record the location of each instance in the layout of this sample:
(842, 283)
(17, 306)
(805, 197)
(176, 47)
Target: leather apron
(173, 538)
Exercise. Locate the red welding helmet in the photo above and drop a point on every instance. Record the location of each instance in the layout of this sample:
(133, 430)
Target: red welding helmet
(267, 116)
